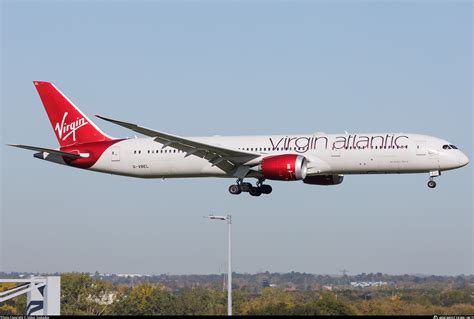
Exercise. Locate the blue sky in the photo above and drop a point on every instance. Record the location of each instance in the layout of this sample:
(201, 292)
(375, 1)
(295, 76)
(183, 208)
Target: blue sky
(237, 68)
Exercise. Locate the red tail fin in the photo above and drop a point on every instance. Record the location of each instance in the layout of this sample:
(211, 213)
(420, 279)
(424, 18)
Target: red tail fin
(70, 125)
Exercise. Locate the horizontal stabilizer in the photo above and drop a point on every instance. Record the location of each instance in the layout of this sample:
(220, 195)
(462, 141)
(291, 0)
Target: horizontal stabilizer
(47, 150)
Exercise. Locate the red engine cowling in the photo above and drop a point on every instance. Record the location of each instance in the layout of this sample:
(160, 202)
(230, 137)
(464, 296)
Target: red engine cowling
(289, 167)
(324, 179)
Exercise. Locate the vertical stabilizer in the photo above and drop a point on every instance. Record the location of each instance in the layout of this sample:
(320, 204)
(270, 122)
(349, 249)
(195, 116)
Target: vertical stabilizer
(70, 125)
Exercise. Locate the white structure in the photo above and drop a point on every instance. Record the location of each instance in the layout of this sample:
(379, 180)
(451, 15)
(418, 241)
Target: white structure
(229, 262)
(364, 284)
(43, 294)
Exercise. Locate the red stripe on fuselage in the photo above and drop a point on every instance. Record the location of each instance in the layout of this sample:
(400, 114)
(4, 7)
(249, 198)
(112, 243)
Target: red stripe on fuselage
(94, 149)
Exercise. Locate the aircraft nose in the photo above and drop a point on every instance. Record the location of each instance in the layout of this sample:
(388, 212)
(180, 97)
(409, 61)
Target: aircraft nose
(463, 159)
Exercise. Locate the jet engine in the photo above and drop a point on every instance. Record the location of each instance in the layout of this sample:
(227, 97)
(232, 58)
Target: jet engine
(324, 179)
(288, 167)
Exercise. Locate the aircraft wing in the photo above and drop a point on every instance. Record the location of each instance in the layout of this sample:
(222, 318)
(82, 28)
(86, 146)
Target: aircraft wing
(47, 150)
(229, 160)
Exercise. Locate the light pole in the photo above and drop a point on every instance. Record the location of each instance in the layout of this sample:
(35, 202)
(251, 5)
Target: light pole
(228, 218)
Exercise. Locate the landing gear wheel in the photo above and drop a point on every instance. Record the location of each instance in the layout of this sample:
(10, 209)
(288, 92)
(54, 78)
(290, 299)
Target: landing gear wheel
(254, 191)
(431, 184)
(265, 189)
(244, 187)
(234, 189)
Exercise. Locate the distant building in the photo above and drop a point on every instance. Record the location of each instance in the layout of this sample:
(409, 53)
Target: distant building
(130, 275)
(105, 299)
(364, 284)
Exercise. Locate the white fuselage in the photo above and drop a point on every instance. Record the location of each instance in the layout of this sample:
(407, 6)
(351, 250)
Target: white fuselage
(316, 159)
(326, 154)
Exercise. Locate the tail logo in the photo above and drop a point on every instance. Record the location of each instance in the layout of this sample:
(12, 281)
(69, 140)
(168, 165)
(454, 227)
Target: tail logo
(70, 128)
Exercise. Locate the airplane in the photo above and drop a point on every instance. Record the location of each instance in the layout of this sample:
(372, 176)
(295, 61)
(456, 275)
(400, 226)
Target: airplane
(315, 159)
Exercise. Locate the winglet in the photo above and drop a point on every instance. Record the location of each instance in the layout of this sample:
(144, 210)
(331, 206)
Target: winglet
(124, 124)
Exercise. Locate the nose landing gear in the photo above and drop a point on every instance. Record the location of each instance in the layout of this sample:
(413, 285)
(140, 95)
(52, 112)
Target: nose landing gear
(431, 182)
(257, 190)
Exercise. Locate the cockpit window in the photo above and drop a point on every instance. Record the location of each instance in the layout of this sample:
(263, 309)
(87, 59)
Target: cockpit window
(449, 147)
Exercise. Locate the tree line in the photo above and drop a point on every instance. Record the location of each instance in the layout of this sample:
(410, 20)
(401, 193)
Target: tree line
(82, 294)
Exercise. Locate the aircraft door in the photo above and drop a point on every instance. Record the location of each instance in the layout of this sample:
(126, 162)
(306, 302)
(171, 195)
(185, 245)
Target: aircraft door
(115, 155)
(336, 153)
(421, 148)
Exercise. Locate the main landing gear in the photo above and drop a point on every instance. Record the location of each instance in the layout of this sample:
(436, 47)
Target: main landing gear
(431, 182)
(257, 190)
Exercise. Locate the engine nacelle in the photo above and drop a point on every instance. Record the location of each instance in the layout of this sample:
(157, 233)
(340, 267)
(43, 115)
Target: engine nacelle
(288, 167)
(324, 179)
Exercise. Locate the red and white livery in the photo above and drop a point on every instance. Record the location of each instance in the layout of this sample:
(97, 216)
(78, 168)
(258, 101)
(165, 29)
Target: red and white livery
(318, 159)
